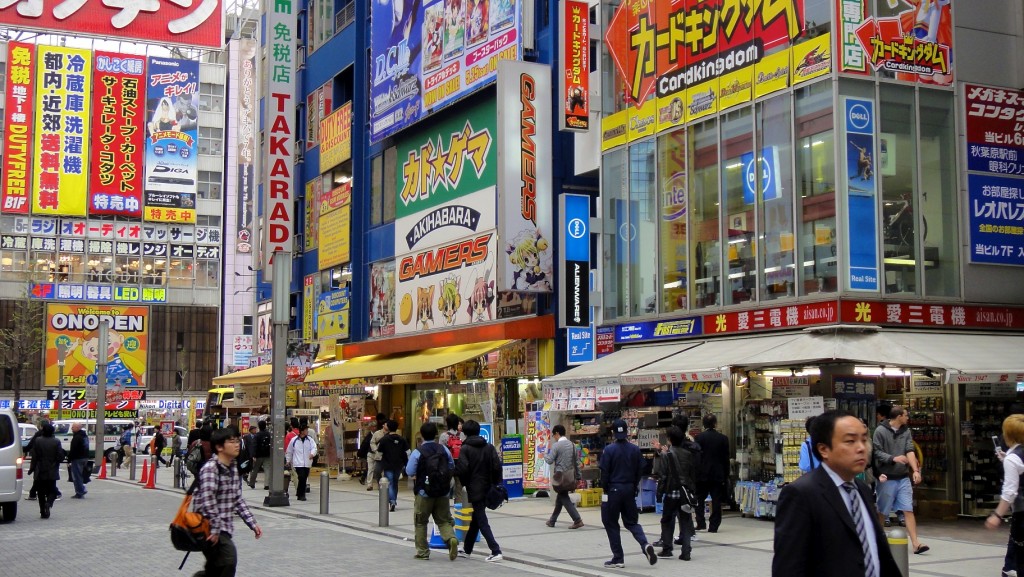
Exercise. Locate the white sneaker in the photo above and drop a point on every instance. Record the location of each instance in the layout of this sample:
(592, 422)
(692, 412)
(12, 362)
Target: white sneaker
(1010, 573)
(493, 558)
(463, 554)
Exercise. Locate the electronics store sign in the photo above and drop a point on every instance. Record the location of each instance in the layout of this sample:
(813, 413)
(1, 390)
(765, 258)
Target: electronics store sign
(656, 330)
(78, 292)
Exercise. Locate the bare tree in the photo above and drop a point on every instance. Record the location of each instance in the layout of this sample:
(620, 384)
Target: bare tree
(183, 367)
(21, 340)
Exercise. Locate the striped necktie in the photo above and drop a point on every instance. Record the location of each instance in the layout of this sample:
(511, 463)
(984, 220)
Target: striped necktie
(862, 532)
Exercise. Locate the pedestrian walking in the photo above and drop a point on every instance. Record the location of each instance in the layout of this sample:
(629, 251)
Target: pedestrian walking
(263, 445)
(685, 523)
(453, 439)
(565, 467)
(77, 457)
(621, 468)
(1012, 497)
(676, 468)
(394, 452)
(898, 471)
(159, 444)
(299, 456)
(713, 477)
(218, 498)
(479, 469)
(47, 456)
(825, 525)
(126, 445)
(28, 451)
(176, 447)
(432, 467)
(373, 460)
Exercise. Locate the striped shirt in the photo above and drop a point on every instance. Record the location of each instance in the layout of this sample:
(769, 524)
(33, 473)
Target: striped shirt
(219, 495)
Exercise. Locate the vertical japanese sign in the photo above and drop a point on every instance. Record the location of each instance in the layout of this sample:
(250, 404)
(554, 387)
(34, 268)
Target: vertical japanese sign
(60, 178)
(77, 327)
(314, 191)
(246, 142)
(172, 164)
(995, 129)
(574, 66)
(859, 178)
(18, 102)
(525, 198)
(574, 274)
(849, 13)
(308, 305)
(117, 137)
(279, 119)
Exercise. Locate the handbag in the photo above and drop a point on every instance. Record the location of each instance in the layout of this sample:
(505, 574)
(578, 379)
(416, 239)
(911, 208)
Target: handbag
(565, 480)
(189, 529)
(497, 496)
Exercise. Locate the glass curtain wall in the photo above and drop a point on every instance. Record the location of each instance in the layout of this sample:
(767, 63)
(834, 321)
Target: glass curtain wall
(641, 234)
(773, 187)
(703, 206)
(737, 161)
(938, 200)
(897, 164)
(816, 187)
(674, 249)
(614, 194)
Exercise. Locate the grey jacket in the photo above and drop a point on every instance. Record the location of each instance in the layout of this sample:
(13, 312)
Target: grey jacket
(886, 444)
(563, 456)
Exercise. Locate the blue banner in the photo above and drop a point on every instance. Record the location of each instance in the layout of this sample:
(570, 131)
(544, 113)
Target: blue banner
(512, 464)
(172, 132)
(861, 180)
(654, 330)
(579, 345)
(996, 207)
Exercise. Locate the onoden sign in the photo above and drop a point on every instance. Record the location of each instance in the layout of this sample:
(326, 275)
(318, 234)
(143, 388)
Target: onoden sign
(77, 327)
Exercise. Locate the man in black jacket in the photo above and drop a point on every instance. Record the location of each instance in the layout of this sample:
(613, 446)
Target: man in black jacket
(77, 457)
(714, 473)
(47, 455)
(479, 469)
(261, 446)
(394, 451)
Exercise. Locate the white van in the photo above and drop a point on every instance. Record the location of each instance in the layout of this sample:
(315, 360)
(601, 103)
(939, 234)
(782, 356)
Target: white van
(11, 460)
(112, 430)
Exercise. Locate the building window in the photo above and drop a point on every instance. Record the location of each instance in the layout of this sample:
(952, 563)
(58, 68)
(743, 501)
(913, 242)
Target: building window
(208, 219)
(211, 97)
(390, 194)
(642, 237)
(247, 325)
(181, 273)
(208, 273)
(705, 224)
(14, 264)
(377, 191)
(211, 140)
(673, 247)
(739, 202)
(614, 194)
(940, 214)
(209, 185)
(774, 197)
(154, 271)
(900, 201)
(816, 187)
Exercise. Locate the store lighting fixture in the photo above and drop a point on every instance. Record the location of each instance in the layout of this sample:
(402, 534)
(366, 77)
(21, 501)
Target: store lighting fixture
(793, 372)
(815, 143)
(733, 165)
(881, 371)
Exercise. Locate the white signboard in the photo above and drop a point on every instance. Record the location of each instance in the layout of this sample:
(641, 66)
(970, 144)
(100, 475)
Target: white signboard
(609, 393)
(280, 127)
(803, 407)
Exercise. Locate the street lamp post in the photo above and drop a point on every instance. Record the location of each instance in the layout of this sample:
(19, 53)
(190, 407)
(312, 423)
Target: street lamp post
(62, 353)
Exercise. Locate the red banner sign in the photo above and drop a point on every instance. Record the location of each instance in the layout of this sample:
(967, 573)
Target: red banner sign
(575, 66)
(916, 44)
(192, 23)
(18, 107)
(91, 406)
(772, 318)
(117, 137)
(931, 315)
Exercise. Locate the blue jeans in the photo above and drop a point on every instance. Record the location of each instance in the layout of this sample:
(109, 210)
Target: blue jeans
(77, 466)
(392, 477)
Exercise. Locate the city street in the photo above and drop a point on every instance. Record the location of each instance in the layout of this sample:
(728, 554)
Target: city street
(122, 528)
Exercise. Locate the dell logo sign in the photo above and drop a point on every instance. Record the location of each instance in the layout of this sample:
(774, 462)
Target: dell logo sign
(576, 228)
(860, 118)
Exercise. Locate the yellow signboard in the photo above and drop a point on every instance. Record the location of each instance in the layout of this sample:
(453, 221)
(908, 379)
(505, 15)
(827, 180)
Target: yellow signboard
(701, 100)
(336, 138)
(77, 327)
(60, 175)
(308, 305)
(771, 73)
(613, 129)
(735, 88)
(670, 111)
(334, 240)
(812, 59)
(643, 120)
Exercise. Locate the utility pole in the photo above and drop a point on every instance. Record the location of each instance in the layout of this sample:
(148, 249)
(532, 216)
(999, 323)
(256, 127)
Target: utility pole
(101, 386)
(62, 353)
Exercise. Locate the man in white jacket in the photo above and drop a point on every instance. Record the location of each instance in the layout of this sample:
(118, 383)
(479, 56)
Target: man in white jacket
(299, 455)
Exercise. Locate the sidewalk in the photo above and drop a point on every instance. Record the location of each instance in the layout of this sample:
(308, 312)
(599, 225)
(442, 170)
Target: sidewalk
(957, 548)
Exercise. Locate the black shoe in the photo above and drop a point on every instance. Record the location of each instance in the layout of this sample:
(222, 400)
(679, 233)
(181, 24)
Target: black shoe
(658, 543)
(45, 513)
(649, 552)
(665, 553)
(678, 541)
(392, 507)
(712, 530)
(302, 498)
(701, 528)
(684, 556)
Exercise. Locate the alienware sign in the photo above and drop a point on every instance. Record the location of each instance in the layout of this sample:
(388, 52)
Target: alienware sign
(575, 274)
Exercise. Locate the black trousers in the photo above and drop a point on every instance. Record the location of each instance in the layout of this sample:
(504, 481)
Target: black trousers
(46, 492)
(221, 559)
(1017, 540)
(717, 492)
(300, 489)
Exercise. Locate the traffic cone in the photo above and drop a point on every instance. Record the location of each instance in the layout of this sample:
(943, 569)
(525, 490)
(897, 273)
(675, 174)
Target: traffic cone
(151, 482)
(145, 471)
(103, 468)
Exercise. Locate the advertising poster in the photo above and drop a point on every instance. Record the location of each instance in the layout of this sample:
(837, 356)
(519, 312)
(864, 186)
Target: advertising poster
(308, 305)
(812, 58)
(382, 299)
(19, 103)
(525, 197)
(538, 432)
(574, 66)
(995, 129)
(335, 230)
(60, 175)
(735, 88)
(117, 136)
(426, 55)
(574, 272)
(910, 40)
(771, 74)
(241, 351)
(77, 327)
(281, 127)
(172, 130)
(336, 138)
(312, 120)
(332, 310)
(314, 190)
(264, 334)
(246, 114)
(512, 464)
(861, 185)
(995, 208)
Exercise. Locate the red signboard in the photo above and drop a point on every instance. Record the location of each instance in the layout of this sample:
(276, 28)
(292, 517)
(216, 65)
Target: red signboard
(91, 406)
(18, 107)
(931, 315)
(116, 177)
(915, 44)
(772, 318)
(187, 23)
(575, 66)
(604, 342)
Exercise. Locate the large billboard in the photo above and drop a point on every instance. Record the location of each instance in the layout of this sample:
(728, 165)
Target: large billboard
(60, 175)
(246, 111)
(172, 131)
(117, 136)
(280, 128)
(910, 40)
(19, 102)
(332, 309)
(427, 54)
(77, 327)
(177, 22)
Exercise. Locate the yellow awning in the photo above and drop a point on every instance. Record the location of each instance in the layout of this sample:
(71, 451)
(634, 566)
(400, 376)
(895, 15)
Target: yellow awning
(255, 376)
(404, 363)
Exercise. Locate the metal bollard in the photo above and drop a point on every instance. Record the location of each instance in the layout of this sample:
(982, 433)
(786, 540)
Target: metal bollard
(383, 504)
(900, 547)
(131, 469)
(325, 492)
(177, 473)
(113, 464)
(152, 469)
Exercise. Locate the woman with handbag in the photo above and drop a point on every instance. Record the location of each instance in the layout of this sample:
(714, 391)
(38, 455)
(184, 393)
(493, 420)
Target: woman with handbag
(564, 476)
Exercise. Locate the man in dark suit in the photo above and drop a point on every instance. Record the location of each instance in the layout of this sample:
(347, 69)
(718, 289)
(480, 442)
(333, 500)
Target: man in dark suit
(826, 524)
(713, 474)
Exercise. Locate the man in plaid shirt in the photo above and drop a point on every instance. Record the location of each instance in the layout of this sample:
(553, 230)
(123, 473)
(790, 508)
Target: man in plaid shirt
(218, 497)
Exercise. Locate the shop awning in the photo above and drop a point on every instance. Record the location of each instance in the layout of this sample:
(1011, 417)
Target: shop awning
(976, 358)
(255, 376)
(606, 370)
(404, 363)
(890, 348)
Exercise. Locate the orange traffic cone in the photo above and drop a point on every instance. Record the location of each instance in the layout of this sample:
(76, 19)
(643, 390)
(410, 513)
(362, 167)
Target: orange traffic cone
(151, 482)
(145, 471)
(103, 468)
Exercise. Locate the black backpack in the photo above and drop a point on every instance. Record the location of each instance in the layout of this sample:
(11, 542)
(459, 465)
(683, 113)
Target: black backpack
(264, 444)
(435, 471)
(194, 459)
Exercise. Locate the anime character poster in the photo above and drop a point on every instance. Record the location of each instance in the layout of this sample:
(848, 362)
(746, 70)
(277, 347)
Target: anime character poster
(433, 36)
(76, 327)
(502, 15)
(476, 21)
(382, 299)
(538, 432)
(172, 124)
(396, 49)
(910, 40)
(454, 28)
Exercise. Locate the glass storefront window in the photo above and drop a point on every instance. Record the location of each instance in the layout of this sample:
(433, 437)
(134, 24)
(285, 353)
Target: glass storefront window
(673, 250)
(127, 269)
(641, 234)
(816, 187)
(939, 223)
(774, 188)
(71, 268)
(897, 163)
(614, 193)
(737, 153)
(702, 204)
